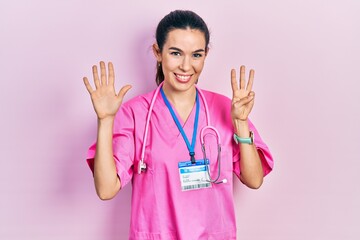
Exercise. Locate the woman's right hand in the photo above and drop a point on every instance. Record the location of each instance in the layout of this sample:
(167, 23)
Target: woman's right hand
(104, 98)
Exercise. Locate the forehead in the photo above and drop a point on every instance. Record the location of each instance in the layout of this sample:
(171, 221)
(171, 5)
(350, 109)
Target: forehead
(186, 39)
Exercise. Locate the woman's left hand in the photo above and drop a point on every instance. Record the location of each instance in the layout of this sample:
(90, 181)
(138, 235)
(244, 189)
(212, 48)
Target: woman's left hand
(243, 96)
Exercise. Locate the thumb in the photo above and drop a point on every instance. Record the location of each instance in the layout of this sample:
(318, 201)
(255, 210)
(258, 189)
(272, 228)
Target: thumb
(244, 100)
(123, 91)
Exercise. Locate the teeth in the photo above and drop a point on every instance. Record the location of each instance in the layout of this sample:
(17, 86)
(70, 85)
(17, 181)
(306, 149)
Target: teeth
(182, 77)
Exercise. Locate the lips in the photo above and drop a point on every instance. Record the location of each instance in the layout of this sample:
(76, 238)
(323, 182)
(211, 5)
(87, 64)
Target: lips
(182, 78)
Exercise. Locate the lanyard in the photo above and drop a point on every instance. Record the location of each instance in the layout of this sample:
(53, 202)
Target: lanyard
(191, 147)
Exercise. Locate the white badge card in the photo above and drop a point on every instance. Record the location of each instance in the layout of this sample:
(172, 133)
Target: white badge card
(193, 176)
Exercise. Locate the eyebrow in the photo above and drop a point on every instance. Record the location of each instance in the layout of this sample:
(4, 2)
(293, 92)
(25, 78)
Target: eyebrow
(179, 50)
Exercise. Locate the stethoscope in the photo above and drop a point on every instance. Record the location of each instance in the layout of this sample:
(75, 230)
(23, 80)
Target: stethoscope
(142, 165)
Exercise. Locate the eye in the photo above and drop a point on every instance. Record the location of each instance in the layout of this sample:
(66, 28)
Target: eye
(175, 53)
(197, 55)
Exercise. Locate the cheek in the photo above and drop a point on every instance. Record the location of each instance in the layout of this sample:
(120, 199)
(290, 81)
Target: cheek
(170, 64)
(199, 66)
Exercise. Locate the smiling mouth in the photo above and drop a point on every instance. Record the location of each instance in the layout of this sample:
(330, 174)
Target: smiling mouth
(183, 78)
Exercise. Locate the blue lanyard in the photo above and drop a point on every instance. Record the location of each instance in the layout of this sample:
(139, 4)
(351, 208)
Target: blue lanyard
(191, 147)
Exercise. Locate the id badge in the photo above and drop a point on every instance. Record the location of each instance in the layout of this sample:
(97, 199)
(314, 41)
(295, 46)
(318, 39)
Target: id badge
(193, 176)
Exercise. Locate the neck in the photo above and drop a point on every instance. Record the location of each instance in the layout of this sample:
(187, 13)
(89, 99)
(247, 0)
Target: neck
(183, 101)
(180, 98)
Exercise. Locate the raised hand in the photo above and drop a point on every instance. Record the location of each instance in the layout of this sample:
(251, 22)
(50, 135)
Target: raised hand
(243, 96)
(104, 98)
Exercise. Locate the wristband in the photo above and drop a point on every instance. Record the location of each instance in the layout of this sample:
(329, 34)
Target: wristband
(249, 140)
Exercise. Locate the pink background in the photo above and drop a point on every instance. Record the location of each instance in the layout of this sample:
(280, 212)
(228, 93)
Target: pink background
(306, 57)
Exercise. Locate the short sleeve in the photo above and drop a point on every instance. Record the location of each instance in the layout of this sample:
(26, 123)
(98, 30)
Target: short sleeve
(123, 145)
(263, 150)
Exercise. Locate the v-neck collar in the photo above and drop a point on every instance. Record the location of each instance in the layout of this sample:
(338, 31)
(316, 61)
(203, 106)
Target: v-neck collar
(187, 125)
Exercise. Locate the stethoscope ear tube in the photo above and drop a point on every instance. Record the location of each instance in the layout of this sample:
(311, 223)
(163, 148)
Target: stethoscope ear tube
(142, 164)
(208, 167)
(202, 135)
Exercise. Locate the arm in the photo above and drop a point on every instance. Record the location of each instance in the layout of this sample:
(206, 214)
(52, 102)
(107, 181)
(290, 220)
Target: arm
(250, 163)
(107, 182)
(106, 103)
(242, 102)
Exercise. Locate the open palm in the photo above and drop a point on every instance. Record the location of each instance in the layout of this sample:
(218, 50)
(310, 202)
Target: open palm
(104, 98)
(243, 96)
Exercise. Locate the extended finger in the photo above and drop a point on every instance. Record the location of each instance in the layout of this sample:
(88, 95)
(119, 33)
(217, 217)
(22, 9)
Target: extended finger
(96, 76)
(251, 80)
(102, 73)
(242, 77)
(111, 76)
(123, 91)
(234, 84)
(87, 85)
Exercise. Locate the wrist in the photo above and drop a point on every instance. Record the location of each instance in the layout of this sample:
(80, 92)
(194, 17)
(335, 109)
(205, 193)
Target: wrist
(106, 121)
(247, 140)
(241, 128)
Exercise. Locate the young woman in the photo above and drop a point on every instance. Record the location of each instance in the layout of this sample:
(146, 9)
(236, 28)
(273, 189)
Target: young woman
(178, 145)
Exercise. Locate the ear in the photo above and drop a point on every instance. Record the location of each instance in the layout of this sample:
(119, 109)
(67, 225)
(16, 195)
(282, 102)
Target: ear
(157, 52)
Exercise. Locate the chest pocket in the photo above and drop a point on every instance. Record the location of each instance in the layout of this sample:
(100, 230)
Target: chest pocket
(217, 156)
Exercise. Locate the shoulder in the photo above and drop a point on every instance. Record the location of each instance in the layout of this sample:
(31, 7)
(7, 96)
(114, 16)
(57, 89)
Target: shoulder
(216, 99)
(140, 102)
(219, 107)
(135, 107)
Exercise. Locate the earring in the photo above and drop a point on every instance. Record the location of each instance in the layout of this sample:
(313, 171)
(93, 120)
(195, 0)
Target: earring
(159, 64)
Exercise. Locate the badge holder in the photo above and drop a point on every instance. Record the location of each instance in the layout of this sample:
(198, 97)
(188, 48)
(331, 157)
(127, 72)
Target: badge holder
(193, 175)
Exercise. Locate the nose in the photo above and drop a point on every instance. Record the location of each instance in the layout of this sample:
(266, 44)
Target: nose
(185, 64)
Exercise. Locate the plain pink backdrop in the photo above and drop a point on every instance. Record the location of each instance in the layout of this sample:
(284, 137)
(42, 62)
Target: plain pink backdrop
(306, 58)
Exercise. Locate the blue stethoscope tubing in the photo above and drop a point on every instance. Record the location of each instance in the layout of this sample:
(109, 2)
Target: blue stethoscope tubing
(142, 164)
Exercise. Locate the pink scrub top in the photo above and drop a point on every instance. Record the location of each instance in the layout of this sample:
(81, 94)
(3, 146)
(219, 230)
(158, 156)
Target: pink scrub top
(159, 208)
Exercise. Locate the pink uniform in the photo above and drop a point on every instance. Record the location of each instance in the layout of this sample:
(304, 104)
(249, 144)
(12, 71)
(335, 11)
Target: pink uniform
(160, 209)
